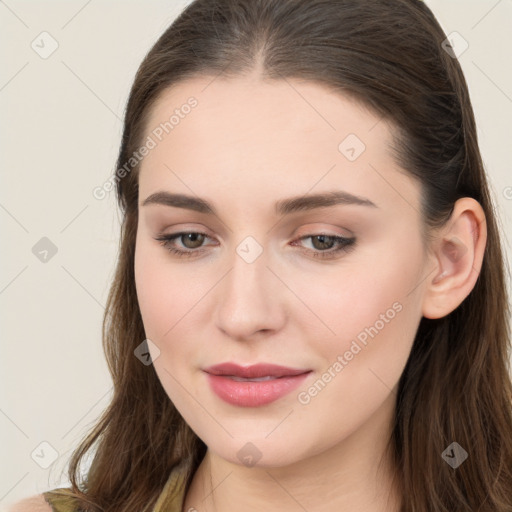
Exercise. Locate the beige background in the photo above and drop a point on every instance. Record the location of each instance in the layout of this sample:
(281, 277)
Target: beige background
(60, 130)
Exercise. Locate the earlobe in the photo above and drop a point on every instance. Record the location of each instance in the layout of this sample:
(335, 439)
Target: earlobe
(458, 254)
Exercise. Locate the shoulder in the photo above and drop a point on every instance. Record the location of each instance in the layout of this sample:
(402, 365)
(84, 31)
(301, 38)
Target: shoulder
(35, 503)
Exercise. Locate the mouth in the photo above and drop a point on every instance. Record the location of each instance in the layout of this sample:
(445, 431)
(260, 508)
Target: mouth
(243, 379)
(255, 371)
(253, 386)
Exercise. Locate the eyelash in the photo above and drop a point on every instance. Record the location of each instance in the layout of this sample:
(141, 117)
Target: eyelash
(345, 244)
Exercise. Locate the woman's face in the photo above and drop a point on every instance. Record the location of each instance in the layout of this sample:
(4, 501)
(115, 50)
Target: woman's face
(266, 281)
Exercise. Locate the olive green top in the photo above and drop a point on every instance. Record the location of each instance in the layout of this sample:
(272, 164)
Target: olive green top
(170, 500)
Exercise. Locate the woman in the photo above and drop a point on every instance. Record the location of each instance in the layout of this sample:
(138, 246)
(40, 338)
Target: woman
(309, 310)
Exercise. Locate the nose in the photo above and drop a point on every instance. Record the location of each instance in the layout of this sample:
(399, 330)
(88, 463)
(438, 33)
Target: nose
(250, 300)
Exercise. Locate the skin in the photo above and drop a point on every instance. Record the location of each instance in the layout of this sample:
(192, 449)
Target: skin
(248, 144)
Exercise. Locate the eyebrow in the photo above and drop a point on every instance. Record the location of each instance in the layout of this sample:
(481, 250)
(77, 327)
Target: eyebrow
(282, 207)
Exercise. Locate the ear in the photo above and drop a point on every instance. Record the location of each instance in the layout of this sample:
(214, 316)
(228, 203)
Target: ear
(456, 255)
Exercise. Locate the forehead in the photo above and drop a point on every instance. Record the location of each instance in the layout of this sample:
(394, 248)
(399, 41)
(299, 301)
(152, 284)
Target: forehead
(246, 134)
(277, 110)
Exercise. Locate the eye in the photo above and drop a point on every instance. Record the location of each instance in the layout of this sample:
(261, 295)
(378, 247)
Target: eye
(192, 241)
(324, 243)
(194, 238)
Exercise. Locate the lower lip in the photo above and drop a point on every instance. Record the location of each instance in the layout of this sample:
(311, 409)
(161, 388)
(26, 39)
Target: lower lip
(253, 393)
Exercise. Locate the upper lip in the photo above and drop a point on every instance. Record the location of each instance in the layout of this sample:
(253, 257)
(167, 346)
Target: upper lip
(254, 371)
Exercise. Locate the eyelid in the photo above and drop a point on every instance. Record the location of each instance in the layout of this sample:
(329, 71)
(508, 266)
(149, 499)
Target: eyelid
(318, 228)
(307, 232)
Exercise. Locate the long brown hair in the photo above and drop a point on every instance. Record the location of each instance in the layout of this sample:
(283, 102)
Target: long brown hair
(456, 386)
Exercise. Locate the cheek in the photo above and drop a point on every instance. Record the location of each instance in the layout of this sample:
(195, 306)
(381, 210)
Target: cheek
(374, 317)
(370, 309)
(160, 294)
(354, 294)
(164, 302)
(165, 291)
(150, 292)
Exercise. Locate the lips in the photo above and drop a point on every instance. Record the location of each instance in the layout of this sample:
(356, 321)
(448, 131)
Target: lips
(253, 386)
(261, 371)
